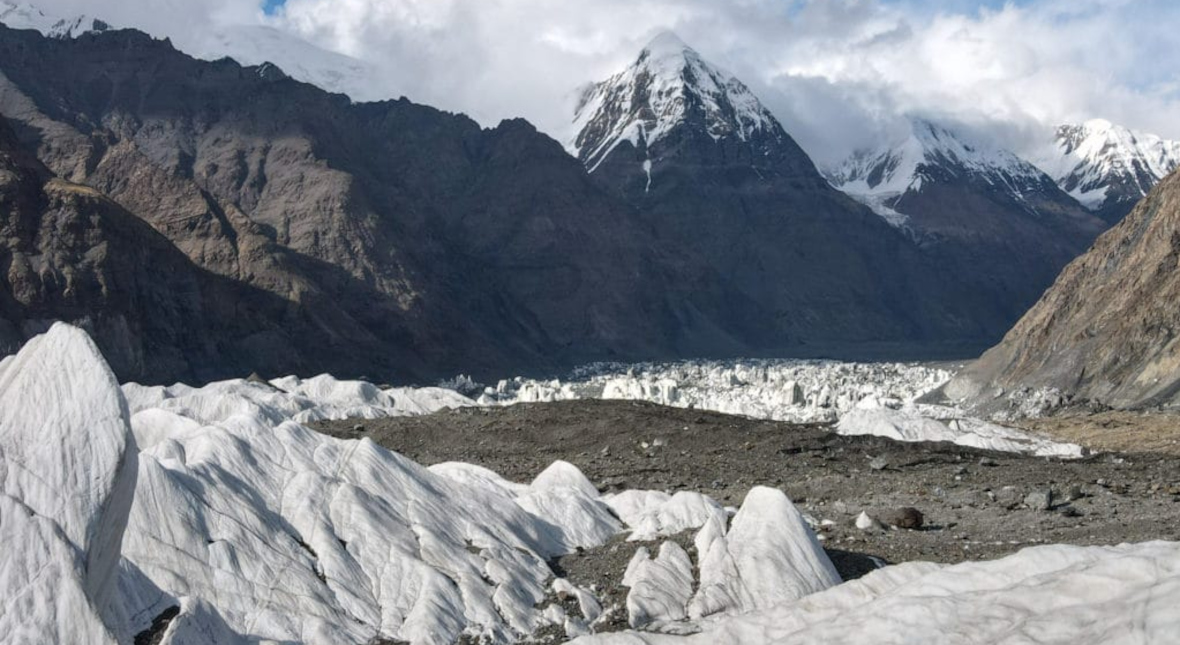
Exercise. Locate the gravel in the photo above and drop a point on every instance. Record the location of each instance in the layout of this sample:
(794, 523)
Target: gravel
(974, 504)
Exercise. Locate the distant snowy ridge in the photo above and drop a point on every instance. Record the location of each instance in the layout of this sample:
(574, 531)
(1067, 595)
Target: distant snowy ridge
(881, 178)
(246, 44)
(26, 16)
(299, 59)
(1098, 161)
(642, 103)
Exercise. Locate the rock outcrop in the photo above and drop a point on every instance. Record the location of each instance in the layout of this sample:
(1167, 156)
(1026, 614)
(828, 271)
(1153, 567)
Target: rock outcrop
(1107, 330)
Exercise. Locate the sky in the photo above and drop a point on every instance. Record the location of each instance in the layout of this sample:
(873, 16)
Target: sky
(839, 74)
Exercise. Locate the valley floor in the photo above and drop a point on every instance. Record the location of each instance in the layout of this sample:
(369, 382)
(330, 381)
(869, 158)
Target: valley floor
(973, 500)
(1114, 430)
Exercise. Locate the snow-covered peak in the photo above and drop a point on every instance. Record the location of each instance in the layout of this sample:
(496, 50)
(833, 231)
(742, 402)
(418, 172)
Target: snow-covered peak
(1098, 161)
(27, 16)
(928, 152)
(298, 58)
(667, 85)
(667, 43)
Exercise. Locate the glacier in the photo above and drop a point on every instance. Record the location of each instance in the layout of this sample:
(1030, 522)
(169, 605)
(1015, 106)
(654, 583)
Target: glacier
(1055, 594)
(210, 515)
(859, 398)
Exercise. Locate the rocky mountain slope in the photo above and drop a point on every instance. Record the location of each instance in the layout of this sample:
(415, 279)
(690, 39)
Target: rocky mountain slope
(1106, 330)
(67, 252)
(981, 210)
(415, 243)
(1107, 167)
(711, 169)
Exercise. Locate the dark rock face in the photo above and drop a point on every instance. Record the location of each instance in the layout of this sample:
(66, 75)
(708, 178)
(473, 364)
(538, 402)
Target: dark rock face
(1106, 331)
(410, 242)
(1007, 249)
(69, 253)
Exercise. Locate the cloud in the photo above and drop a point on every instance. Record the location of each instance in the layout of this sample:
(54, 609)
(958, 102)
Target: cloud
(836, 72)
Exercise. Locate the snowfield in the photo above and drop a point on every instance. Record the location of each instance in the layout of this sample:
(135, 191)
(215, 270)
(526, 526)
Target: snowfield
(211, 515)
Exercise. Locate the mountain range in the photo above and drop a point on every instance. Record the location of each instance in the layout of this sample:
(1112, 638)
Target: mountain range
(411, 242)
(1106, 167)
(695, 152)
(398, 242)
(984, 212)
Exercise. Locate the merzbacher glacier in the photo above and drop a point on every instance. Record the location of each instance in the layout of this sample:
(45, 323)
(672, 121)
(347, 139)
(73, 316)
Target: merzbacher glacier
(878, 343)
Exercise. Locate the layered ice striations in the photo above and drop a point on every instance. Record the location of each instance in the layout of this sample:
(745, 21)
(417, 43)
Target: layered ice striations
(1049, 595)
(234, 523)
(68, 470)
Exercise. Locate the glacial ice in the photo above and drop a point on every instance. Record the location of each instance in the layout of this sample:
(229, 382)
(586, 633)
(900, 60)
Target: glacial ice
(863, 398)
(67, 464)
(938, 423)
(1048, 595)
(244, 526)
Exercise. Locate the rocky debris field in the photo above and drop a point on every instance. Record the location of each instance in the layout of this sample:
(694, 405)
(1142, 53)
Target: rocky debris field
(1112, 430)
(973, 504)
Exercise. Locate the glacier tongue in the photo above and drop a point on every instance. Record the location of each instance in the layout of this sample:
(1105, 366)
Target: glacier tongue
(245, 526)
(865, 398)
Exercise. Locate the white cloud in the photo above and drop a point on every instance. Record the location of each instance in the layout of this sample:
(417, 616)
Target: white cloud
(836, 71)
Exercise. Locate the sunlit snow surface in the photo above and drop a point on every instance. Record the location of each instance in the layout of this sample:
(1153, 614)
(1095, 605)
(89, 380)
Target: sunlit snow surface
(122, 504)
(1056, 594)
(215, 505)
(1090, 159)
(879, 178)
